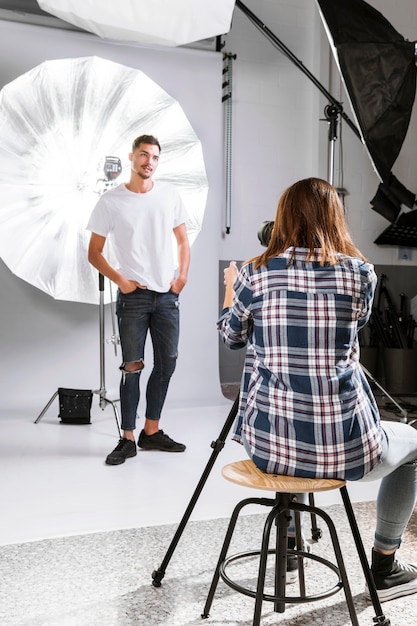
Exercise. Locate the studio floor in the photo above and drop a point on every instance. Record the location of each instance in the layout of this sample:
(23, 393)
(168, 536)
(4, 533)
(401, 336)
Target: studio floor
(64, 509)
(54, 481)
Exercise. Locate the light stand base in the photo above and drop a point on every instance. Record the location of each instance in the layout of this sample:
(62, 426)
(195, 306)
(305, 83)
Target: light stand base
(103, 402)
(46, 407)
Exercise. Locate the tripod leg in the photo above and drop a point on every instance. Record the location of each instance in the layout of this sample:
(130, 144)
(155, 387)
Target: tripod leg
(42, 413)
(404, 414)
(157, 575)
(223, 552)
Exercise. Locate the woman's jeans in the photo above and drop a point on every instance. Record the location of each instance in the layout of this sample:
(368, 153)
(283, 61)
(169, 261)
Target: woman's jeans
(398, 490)
(138, 312)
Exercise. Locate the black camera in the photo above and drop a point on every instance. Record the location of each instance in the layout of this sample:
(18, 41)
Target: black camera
(265, 232)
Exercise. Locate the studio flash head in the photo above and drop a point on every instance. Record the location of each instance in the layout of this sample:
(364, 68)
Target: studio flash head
(112, 167)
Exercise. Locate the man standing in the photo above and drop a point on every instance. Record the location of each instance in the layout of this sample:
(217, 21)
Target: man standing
(140, 218)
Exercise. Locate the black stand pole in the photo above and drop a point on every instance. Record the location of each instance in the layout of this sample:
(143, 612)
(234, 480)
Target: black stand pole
(217, 446)
(337, 106)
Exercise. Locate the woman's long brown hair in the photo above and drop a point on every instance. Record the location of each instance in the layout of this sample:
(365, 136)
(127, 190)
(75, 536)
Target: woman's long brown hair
(310, 215)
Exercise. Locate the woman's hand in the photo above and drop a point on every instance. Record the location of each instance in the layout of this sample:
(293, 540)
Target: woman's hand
(230, 273)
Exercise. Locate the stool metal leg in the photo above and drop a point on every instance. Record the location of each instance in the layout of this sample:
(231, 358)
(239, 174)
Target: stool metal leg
(380, 618)
(281, 507)
(281, 515)
(299, 546)
(282, 521)
(338, 554)
(225, 547)
(316, 532)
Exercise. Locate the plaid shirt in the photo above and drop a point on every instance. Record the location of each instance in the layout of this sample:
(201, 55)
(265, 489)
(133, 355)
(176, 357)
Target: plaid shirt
(306, 408)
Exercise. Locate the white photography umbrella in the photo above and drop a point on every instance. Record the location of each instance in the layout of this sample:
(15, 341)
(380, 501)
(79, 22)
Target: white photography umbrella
(58, 123)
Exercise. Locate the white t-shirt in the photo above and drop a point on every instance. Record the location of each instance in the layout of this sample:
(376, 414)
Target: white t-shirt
(139, 227)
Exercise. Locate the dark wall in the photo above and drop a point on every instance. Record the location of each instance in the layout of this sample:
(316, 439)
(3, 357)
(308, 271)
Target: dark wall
(398, 280)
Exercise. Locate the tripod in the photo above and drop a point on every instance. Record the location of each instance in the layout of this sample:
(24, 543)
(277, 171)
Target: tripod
(101, 392)
(217, 446)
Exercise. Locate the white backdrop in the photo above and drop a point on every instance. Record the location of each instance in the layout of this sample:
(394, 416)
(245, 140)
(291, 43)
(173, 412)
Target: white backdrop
(46, 344)
(278, 137)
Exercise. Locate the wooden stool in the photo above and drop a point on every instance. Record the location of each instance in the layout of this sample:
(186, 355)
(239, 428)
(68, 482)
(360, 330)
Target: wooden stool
(245, 473)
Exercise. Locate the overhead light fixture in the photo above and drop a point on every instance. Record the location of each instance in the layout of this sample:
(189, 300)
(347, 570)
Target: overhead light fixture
(378, 68)
(161, 22)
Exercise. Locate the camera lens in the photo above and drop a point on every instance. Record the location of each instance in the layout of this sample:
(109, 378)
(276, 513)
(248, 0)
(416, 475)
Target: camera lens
(264, 232)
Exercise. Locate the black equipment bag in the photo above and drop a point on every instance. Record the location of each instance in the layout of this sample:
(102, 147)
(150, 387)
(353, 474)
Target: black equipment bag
(75, 405)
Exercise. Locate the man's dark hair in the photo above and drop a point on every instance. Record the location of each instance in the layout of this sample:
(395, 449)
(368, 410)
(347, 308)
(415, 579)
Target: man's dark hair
(150, 139)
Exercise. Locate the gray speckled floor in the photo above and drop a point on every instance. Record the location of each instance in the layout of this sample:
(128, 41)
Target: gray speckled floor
(79, 540)
(104, 579)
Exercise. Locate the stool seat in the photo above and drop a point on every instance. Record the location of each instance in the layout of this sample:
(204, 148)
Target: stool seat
(246, 473)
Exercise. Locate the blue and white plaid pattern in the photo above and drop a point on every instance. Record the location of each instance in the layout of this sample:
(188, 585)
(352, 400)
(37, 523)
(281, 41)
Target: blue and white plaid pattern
(306, 408)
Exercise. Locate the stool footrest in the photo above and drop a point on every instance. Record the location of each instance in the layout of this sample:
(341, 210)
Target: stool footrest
(273, 598)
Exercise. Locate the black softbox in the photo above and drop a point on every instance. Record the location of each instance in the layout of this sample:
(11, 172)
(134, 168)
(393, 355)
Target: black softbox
(378, 67)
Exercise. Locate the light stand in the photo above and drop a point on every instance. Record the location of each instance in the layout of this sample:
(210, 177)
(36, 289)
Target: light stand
(112, 169)
(101, 392)
(332, 113)
(104, 401)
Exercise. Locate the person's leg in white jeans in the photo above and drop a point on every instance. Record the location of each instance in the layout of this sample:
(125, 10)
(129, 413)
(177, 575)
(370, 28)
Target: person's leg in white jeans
(396, 499)
(398, 491)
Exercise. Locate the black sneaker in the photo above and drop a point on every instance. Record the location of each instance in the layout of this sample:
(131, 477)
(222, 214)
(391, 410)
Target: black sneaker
(292, 559)
(159, 441)
(124, 450)
(393, 578)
